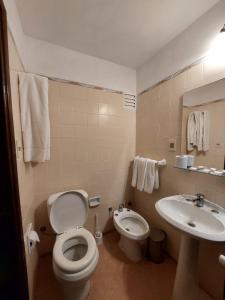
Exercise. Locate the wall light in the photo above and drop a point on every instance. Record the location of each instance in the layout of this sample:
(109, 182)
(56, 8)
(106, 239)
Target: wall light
(223, 29)
(216, 54)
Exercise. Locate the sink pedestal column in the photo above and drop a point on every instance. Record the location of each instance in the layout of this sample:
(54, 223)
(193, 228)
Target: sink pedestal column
(186, 281)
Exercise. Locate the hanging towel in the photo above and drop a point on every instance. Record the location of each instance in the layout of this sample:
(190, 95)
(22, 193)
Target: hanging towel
(198, 131)
(141, 171)
(205, 143)
(135, 172)
(33, 91)
(151, 176)
(191, 132)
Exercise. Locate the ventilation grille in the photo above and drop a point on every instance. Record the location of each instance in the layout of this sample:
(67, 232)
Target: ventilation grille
(129, 101)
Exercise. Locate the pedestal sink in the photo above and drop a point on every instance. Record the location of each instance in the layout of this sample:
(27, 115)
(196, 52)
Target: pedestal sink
(195, 223)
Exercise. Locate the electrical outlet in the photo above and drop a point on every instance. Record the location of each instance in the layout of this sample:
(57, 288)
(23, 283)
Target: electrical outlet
(172, 145)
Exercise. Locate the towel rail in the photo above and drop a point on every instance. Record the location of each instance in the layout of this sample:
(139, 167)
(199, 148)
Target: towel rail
(162, 162)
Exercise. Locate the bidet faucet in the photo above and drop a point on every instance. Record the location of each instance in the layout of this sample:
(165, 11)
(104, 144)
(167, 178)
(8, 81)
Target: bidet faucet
(200, 200)
(121, 206)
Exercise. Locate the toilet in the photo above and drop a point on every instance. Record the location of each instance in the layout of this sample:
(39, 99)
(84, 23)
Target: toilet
(75, 253)
(133, 230)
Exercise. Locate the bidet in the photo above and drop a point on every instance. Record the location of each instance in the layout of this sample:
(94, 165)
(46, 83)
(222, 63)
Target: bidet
(133, 230)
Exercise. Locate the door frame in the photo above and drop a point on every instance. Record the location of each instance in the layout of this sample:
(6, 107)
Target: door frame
(14, 281)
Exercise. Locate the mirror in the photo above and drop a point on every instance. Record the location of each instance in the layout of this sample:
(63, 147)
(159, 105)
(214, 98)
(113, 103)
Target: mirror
(203, 125)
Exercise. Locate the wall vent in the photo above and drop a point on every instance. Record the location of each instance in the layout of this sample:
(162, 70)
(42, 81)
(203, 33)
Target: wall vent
(129, 101)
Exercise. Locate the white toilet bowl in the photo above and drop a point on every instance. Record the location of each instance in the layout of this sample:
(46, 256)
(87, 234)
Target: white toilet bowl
(75, 254)
(133, 230)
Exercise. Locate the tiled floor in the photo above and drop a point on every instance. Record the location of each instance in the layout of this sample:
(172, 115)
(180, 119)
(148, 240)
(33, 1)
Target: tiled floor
(116, 277)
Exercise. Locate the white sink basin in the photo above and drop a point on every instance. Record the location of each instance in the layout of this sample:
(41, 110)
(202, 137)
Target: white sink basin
(207, 222)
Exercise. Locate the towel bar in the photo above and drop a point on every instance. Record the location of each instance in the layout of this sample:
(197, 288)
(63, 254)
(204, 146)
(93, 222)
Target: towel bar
(162, 162)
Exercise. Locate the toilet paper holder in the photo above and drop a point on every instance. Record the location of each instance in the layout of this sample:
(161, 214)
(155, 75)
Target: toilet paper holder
(32, 238)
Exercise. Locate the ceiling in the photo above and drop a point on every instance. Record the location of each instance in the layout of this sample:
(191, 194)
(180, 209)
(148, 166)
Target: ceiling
(127, 32)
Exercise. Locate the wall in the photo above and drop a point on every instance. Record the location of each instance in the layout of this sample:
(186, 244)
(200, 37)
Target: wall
(25, 171)
(92, 144)
(92, 137)
(159, 116)
(188, 47)
(51, 60)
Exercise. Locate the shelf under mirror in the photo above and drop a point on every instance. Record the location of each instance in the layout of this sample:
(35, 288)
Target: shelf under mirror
(199, 171)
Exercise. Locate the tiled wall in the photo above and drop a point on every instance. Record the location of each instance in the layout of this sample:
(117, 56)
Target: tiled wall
(25, 172)
(158, 120)
(92, 144)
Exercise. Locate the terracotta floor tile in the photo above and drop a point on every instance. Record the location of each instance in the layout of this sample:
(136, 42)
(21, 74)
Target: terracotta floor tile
(116, 277)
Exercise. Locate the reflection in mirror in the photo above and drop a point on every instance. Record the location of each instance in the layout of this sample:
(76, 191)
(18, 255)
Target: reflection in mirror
(203, 124)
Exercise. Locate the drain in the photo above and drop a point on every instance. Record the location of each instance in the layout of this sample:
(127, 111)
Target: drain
(191, 224)
(127, 229)
(214, 211)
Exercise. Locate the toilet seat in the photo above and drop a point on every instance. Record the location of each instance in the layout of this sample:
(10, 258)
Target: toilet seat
(75, 237)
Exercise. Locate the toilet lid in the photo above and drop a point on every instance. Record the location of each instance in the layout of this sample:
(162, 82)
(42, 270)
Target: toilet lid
(68, 211)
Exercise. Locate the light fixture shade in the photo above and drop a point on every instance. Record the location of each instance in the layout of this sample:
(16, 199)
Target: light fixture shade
(223, 29)
(216, 55)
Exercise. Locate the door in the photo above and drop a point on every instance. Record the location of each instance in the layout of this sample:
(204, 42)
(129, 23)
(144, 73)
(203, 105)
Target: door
(13, 274)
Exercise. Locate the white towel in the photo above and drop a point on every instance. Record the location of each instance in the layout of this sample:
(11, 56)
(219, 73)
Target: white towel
(141, 171)
(198, 131)
(191, 132)
(151, 176)
(205, 143)
(34, 117)
(139, 168)
(135, 172)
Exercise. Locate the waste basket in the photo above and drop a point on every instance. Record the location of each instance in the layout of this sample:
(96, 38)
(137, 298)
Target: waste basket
(157, 242)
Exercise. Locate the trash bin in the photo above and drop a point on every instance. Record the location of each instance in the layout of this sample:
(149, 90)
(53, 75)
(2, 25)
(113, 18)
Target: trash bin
(157, 243)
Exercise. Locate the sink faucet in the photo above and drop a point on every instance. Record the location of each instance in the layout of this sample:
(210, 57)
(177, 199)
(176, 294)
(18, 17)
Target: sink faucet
(199, 200)
(121, 206)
